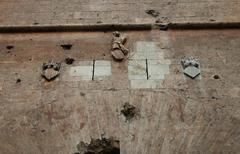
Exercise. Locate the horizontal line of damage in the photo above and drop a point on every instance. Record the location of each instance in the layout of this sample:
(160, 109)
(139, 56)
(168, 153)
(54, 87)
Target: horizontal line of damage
(112, 27)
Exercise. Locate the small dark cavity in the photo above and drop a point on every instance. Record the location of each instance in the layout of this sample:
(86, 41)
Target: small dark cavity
(69, 61)
(215, 98)
(43, 130)
(35, 23)
(82, 94)
(100, 146)
(66, 46)
(129, 111)
(153, 13)
(18, 81)
(112, 89)
(10, 47)
(158, 21)
(216, 77)
(163, 27)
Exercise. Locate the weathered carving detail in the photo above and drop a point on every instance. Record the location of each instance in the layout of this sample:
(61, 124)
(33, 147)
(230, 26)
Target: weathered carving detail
(191, 67)
(118, 49)
(50, 70)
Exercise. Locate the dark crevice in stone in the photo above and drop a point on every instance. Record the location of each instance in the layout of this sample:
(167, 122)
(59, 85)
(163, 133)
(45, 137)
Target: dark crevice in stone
(93, 72)
(153, 13)
(69, 61)
(147, 69)
(82, 94)
(129, 111)
(10, 47)
(100, 146)
(215, 98)
(163, 27)
(66, 46)
(216, 77)
(43, 130)
(50, 70)
(18, 81)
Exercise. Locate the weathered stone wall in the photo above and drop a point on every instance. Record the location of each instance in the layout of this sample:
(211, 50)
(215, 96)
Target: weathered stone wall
(175, 115)
(65, 12)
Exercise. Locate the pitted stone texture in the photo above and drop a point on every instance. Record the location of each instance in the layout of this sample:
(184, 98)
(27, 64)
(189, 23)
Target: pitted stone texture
(84, 12)
(186, 116)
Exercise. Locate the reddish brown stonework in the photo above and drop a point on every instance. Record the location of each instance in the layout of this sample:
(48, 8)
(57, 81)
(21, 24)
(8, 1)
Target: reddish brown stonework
(181, 116)
(84, 12)
(141, 105)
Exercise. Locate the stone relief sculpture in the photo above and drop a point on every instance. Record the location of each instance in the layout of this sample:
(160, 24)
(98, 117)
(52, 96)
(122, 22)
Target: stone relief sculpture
(50, 70)
(119, 51)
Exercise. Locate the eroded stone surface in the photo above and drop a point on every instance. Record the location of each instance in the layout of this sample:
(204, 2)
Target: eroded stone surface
(182, 116)
(70, 12)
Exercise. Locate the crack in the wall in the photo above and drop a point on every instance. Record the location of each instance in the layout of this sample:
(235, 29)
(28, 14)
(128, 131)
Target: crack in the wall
(93, 72)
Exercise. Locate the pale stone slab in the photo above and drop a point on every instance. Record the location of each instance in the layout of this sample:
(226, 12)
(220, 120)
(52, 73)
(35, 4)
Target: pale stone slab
(102, 63)
(159, 61)
(102, 68)
(146, 84)
(147, 50)
(147, 66)
(156, 77)
(102, 71)
(84, 70)
(79, 71)
(84, 63)
(137, 69)
(158, 69)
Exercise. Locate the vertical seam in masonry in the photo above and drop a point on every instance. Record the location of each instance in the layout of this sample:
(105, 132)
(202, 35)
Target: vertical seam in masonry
(147, 69)
(93, 70)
